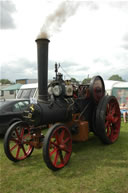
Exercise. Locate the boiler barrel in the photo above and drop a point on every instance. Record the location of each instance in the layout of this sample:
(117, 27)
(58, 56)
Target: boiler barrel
(56, 113)
(44, 113)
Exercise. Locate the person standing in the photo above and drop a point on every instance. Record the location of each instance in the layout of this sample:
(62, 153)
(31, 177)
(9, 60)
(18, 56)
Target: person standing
(124, 111)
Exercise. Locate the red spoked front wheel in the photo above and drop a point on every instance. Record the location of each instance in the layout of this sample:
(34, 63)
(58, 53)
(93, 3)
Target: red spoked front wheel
(108, 119)
(16, 142)
(57, 147)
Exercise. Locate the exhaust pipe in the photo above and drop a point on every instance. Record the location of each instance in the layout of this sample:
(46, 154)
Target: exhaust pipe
(42, 58)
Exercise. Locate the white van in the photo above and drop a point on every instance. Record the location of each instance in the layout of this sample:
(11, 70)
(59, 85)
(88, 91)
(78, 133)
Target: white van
(28, 91)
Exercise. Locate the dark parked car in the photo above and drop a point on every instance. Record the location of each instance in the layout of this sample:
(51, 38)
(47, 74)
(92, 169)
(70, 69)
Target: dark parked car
(10, 112)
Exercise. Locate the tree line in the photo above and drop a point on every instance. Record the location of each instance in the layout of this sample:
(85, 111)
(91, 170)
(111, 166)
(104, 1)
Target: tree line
(113, 77)
(85, 81)
(5, 81)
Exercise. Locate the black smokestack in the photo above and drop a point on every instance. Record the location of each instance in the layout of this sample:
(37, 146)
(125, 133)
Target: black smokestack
(42, 56)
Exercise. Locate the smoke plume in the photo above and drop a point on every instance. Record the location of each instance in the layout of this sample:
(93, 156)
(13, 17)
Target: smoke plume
(55, 20)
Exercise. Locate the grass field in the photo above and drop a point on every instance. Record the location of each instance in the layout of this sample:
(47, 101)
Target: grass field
(93, 168)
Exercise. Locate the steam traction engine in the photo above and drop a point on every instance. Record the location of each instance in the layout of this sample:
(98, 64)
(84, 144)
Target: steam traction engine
(69, 113)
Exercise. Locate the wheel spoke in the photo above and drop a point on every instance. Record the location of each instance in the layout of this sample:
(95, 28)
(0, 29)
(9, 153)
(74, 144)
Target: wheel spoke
(112, 134)
(27, 135)
(115, 119)
(113, 111)
(66, 140)
(61, 136)
(24, 150)
(17, 133)
(57, 138)
(66, 150)
(53, 151)
(61, 157)
(18, 151)
(14, 147)
(56, 158)
(55, 144)
(22, 133)
(107, 122)
(14, 140)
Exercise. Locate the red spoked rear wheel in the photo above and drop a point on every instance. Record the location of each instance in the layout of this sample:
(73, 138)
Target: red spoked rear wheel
(57, 147)
(108, 119)
(16, 142)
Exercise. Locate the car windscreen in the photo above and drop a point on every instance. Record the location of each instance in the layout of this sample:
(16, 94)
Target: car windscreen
(26, 93)
(20, 106)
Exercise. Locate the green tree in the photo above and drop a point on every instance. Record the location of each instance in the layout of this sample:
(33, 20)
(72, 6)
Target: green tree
(116, 77)
(5, 81)
(73, 80)
(86, 80)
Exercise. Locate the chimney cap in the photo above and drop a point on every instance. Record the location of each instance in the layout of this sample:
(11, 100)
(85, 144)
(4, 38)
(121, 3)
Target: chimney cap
(42, 39)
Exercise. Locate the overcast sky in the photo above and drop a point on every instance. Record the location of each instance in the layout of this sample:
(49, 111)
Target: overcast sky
(87, 38)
